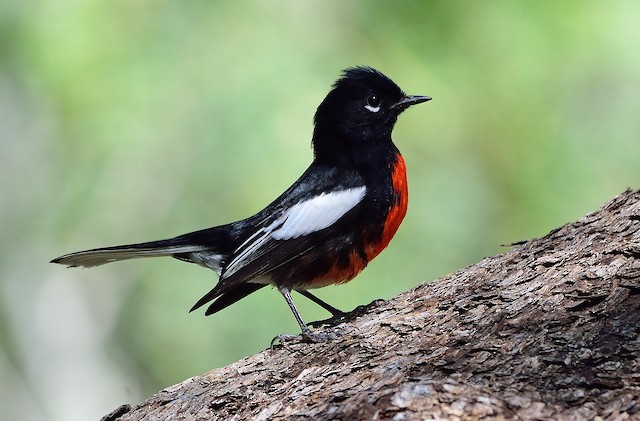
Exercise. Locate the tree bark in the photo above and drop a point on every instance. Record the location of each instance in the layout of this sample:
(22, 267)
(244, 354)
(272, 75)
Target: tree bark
(548, 330)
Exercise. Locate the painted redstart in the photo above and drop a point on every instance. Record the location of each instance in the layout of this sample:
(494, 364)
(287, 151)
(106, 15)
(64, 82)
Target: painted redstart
(325, 228)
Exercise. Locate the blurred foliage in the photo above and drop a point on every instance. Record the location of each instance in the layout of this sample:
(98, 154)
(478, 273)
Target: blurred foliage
(129, 121)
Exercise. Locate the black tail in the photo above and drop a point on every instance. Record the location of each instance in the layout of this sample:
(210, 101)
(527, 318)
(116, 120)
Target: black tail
(213, 240)
(206, 247)
(100, 256)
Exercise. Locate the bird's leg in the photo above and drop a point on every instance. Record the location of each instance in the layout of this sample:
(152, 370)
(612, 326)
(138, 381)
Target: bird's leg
(307, 334)
(287, 296)
(336, 313)
(337, 316)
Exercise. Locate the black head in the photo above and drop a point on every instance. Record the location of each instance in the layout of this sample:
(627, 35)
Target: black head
(359, 112)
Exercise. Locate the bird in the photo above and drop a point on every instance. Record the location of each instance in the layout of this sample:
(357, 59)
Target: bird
(324, 229)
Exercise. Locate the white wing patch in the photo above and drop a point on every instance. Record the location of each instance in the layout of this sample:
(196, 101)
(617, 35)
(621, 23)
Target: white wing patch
(318, 213)
(303, 218)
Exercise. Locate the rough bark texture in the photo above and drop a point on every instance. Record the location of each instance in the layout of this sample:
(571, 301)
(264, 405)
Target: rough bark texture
(548, 330)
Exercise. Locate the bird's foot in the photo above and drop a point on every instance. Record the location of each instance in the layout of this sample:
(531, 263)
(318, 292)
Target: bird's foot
(334, 320)
(342, 316)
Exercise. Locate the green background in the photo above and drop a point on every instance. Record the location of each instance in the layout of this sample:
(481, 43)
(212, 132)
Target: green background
(126, 121)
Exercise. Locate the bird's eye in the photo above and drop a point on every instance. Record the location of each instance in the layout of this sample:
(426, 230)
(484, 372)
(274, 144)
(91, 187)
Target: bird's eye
(373, 104)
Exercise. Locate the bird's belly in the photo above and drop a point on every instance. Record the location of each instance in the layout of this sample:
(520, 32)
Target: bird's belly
(340, 271)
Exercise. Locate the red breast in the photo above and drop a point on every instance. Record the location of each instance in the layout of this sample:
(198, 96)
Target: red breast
(396, 213)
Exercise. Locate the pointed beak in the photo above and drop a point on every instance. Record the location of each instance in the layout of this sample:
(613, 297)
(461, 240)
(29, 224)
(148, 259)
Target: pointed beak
(410, 100)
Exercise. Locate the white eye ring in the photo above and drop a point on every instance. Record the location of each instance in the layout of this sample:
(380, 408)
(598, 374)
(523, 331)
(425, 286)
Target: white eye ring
(372, 109)
(373, 103)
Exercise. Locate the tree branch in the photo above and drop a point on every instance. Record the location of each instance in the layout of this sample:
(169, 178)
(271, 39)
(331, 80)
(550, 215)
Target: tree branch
(548, 330)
